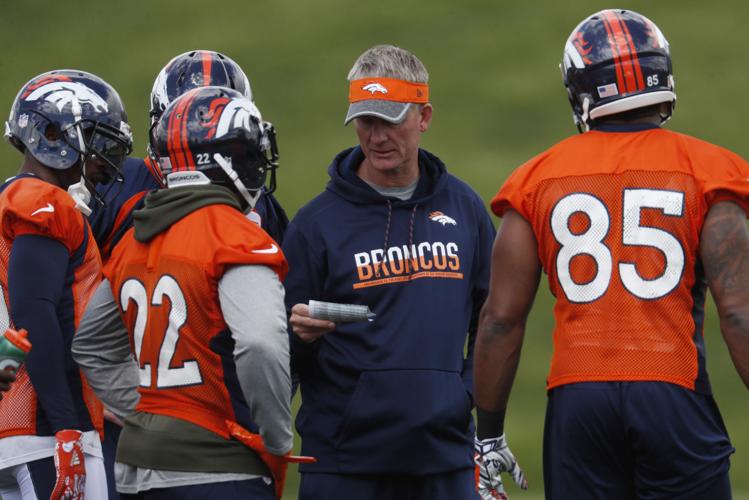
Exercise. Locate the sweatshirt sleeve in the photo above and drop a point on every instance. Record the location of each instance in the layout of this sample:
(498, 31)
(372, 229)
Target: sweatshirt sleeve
(480, 288)
(101, 348)
(257, 321)
(303, 282)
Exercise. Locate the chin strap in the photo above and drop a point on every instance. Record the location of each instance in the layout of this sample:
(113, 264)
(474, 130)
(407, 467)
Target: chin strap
(585, 116)
(81, 196)
(78, 191)
(226, 167)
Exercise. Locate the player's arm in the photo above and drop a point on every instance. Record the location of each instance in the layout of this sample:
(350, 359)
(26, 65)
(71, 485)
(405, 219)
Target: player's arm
(36, 279)
(515, 273)
(102, 349)
(252, 302)
(724, 249)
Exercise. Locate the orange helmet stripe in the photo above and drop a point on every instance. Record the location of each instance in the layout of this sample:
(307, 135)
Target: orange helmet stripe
(619, 39)
(620, 83)
(206, 68)
(170, 148)
(633, 52)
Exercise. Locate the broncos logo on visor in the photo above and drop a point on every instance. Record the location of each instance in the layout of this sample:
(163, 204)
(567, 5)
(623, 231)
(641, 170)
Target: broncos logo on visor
(375, 87)
(62, 93)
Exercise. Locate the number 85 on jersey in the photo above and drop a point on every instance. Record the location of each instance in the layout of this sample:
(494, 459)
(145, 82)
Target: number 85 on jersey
(581, 224)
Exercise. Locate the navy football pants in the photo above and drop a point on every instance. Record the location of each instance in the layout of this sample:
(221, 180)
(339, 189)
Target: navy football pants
(457, 485)
(613, 440)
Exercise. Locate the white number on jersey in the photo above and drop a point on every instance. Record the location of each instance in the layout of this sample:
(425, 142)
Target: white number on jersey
(166, 377)
(590, 242)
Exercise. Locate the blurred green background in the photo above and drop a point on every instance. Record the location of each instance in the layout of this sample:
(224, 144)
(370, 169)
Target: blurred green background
(495, 86)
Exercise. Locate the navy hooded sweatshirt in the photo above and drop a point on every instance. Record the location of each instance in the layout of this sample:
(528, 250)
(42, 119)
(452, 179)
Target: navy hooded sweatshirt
(392, 396)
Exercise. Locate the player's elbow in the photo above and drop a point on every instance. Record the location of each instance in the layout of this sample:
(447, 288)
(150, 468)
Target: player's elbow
(735, 321)
(495, 324)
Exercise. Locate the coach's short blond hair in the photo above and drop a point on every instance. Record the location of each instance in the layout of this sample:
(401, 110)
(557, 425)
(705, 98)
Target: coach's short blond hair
(389, 61)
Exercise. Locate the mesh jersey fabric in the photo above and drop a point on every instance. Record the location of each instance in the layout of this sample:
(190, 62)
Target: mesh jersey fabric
(617, 217)
(167, 293)
(29, 205)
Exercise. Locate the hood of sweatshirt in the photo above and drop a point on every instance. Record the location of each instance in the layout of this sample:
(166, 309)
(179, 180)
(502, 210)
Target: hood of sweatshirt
(164, 207)
(345, 183)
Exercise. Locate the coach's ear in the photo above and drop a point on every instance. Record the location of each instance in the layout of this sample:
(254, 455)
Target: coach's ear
(425, 117)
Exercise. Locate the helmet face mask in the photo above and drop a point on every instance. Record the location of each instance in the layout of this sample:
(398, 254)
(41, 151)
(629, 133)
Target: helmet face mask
(615, 61)
(216, 135)
(64, 118)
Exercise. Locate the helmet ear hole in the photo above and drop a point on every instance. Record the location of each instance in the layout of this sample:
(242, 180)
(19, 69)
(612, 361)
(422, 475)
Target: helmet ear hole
(52, 132)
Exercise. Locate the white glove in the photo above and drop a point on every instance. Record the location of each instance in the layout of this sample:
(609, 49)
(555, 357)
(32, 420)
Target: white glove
(492, 457)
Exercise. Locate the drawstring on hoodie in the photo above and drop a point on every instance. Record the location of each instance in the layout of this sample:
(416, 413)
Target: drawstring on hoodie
(411, 234)
(386, 244)
(387, 228)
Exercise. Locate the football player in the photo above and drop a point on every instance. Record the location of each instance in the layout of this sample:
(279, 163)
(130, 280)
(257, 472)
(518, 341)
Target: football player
(198, 286)
(111, 219)
(72, 130)
(193, 69)
(631, 222)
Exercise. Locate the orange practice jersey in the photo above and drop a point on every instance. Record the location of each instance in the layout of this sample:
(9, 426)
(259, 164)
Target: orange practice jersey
(617, 217)
(167, 290)
(29, 205)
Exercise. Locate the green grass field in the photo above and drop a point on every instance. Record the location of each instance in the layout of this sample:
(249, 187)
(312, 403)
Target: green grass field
(495, 86)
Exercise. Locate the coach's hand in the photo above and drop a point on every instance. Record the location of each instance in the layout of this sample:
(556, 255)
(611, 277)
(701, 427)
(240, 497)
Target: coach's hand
(493, 457)
(69, 465)
(308, 329)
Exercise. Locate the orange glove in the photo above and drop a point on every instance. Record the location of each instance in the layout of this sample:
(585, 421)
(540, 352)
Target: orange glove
(69, 465)
(277, 464)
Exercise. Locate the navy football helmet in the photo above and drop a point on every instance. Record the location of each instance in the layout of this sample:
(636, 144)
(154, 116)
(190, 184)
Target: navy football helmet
(216, 135)
(65, 117)
(197, 68)
(615, 61)
(52, 109)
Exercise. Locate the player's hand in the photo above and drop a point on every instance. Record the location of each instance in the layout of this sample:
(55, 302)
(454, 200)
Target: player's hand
(69, 466)
(277, 464)
(111, 417)
(493, 457)
(308, 329)
(6, 377)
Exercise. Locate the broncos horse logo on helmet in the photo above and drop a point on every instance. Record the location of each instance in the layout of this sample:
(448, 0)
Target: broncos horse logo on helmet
(64, 117)
(62, 93)
(236, 114)
(615, 61)
(216, 135)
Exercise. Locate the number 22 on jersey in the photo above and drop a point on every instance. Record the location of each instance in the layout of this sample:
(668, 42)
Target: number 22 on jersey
(133, 291)
(591, 242)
